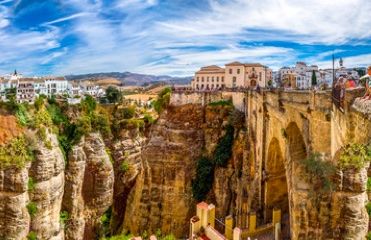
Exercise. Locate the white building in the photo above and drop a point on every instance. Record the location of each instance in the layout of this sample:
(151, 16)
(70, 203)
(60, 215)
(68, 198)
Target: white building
(56, 85)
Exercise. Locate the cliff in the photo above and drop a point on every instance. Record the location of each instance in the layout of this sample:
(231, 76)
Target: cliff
(88, 188)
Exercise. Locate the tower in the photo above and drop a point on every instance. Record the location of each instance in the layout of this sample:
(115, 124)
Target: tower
(341, 62)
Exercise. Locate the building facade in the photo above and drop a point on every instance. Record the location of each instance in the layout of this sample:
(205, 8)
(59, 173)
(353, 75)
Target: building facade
(25, 91)
(234, 75)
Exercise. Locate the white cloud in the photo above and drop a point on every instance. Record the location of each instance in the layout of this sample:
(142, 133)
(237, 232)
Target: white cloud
(314, 21)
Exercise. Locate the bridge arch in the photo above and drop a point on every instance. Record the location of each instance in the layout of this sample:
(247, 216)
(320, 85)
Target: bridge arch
(274, 185)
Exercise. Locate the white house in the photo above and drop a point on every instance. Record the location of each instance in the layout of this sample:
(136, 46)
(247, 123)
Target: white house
(56, 85)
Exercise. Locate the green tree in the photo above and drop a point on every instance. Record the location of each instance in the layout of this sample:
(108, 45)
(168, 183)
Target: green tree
(314, 78)
(203, 182)
(113, 94)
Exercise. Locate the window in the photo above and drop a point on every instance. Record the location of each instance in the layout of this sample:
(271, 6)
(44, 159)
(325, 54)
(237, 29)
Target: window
(234, 79)
(198, 78)
(207, 79)
(253, 69)
(260, 76)
(217, 79)
(230, 71)
(238, 71)
(222, 79)
(202, 79)
(212, 79)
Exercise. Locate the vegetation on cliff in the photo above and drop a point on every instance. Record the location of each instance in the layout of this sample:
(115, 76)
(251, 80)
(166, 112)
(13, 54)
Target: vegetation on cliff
(355, 156)
(16, 153)
(320, 172)
(163, 100)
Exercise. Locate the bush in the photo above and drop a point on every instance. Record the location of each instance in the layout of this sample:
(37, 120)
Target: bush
(368, 236)
(113, 94)
(56, 114)
(22, 115)
(15, 154)
(63, 217)
(355, 156)
(127, 112)
(31, 184)
(223, 151)
(369, 184)
(368, 208)
(203, 182)
(163, 100)
(32, 236)
(124, 166)
(32, 208)
(320, 171)
(221, 103)
(88, 104)
(148, 119)
(42, 119)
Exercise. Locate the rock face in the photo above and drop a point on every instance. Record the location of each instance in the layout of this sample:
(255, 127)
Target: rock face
(88, 188)
(47, 174)
(14, 217)
(162, 197)
(127, 155)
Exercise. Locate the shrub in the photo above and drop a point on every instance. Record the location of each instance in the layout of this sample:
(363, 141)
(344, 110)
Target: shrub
(42, 119)
(355, 156)
(39, 102)
(221, 103)
(163, 100)
(127, 112)
(63, 217)
(22, 115)
(105, 222)
(320, 171)
(369, 184)
(32, 236)
(16, 154)
(31, 184)
(113, 94)
(124, 166)
(32, 208)
(368, 208)
(148, 119)
(101, 123)
(368, 236)
(203, 182)
(88, 104)
(56, 114)
(223, 151)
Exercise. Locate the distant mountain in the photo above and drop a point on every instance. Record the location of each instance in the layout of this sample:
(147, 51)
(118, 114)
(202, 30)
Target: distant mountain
(129, 79)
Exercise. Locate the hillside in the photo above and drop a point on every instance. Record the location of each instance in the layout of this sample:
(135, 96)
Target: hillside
(128, 78)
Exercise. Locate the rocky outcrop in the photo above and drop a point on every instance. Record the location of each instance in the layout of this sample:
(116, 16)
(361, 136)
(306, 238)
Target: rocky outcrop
(47, 174)
(162, 197)
(127, 156)
(14, 217)
(40, 184)
(88, 188)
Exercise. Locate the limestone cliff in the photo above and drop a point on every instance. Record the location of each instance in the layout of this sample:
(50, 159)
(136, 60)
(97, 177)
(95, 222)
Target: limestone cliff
(46, 175)
(88, 188)
(162, 197)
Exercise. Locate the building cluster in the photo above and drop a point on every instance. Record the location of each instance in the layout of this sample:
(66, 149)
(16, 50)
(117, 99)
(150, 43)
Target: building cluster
(28, 88)
(233, 75)
(238, 75)
(301, 76)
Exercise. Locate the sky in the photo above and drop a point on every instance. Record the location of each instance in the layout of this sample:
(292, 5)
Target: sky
(177, 37)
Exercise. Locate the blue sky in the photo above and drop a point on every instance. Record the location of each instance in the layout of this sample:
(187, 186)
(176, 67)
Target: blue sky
(177, 37)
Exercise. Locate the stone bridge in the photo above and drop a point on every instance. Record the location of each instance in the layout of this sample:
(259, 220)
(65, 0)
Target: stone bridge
(284, 129)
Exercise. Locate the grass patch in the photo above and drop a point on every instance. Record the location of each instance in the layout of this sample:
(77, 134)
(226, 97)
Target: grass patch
(32, 236)
(31, 184)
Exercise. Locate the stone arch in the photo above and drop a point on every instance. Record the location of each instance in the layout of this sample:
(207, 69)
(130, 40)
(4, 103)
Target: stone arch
(296, 152)
(274, 185)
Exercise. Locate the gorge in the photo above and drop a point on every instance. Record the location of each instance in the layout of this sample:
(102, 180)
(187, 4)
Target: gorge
(287, 152)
